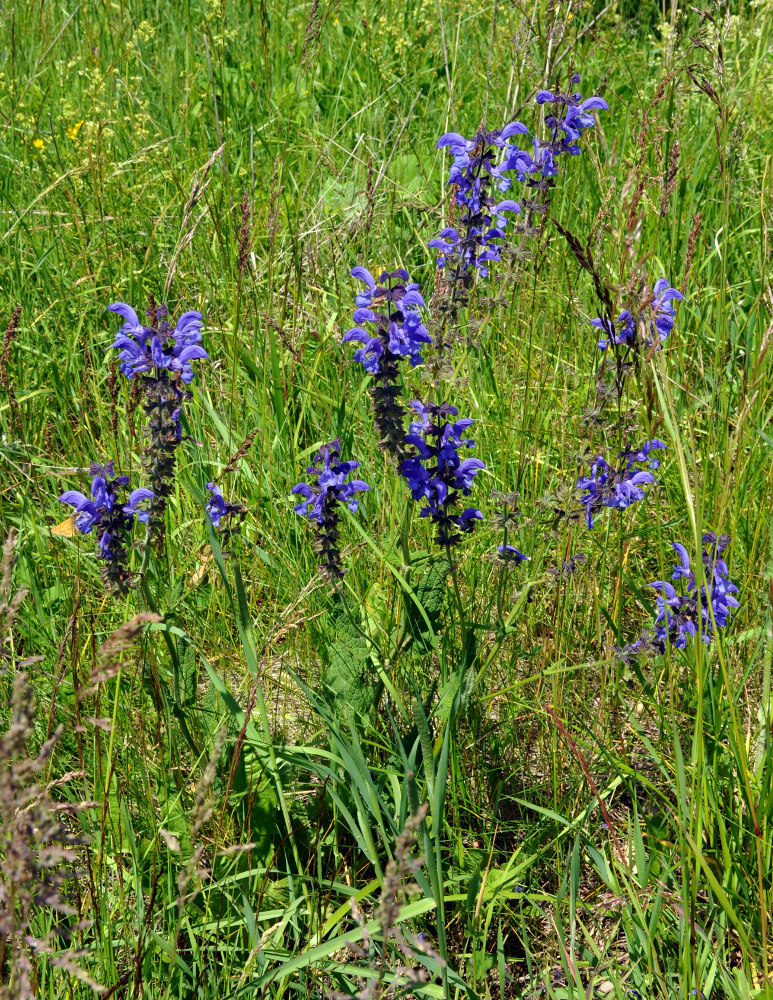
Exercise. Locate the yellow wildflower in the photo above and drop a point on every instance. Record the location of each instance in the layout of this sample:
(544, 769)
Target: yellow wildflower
(73, 130)
(38, 144)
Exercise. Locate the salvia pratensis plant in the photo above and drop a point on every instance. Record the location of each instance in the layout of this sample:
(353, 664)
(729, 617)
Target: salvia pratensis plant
(645, 324)
(478, 168)
(610, 486)
(437, 475)
(162, 356)
(112, 515)
(321, 501)
(682, 617)
(391, 309)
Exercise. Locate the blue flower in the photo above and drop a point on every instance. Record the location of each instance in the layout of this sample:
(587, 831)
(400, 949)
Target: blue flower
(682, 616)
(510, 554)
(570, 116)
(112, 520)
(607, 486)
(437, 475)
(159, 347)
(320, 502)
(218, 508)
(653, 320)
(392, 307)
(643, 454)
(663, 312)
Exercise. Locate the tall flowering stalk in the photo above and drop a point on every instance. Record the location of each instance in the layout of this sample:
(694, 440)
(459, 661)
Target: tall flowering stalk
(113, 519)
(391, 309)
(480, 166)
(162, 356)
(320, 503)
(437, 475)
(473, 244)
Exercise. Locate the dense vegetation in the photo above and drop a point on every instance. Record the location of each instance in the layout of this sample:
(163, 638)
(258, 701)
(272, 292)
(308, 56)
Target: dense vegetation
(454, 772)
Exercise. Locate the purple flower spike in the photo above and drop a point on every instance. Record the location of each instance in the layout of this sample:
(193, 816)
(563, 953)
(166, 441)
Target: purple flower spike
(320, 502)
(607, 486)
(649, 322)
(144, 349)
(112, 520)
(393, 308)
(163, 356)
(437, 475)
(681, 617)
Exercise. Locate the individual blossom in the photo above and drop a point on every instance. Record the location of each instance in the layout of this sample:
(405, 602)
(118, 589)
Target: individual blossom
(223, 515)
(437, 475)
(648, 323)
(111, 515)
(391, 309)
(162, 356)
(320, 503)
(681, 617)
(509, 555)
(607, 486)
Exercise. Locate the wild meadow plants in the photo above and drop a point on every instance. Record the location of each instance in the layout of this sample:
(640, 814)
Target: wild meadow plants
(389, 613)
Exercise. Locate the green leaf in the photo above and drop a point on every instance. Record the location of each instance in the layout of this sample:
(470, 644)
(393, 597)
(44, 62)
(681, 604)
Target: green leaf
(349, 675)
(430, 590)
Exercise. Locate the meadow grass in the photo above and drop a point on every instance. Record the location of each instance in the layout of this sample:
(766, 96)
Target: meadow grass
(594, 828)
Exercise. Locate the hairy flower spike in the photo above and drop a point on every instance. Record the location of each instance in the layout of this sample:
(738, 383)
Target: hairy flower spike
(163, 356)
(647, 324)
(682, 616)
(607, 486)
(392, 307)
(437, 475)
(112, 519)
(320, 504)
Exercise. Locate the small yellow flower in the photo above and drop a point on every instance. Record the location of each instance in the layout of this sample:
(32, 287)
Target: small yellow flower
(38, 144)
(73, 130)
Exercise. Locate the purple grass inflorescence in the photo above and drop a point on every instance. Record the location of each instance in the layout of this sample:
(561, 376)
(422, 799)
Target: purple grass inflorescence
(392, 307)
(321, 501)
(112, 518)
(437, 475)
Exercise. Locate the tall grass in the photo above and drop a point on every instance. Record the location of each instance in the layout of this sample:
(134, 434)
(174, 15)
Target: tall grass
(593, 828)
